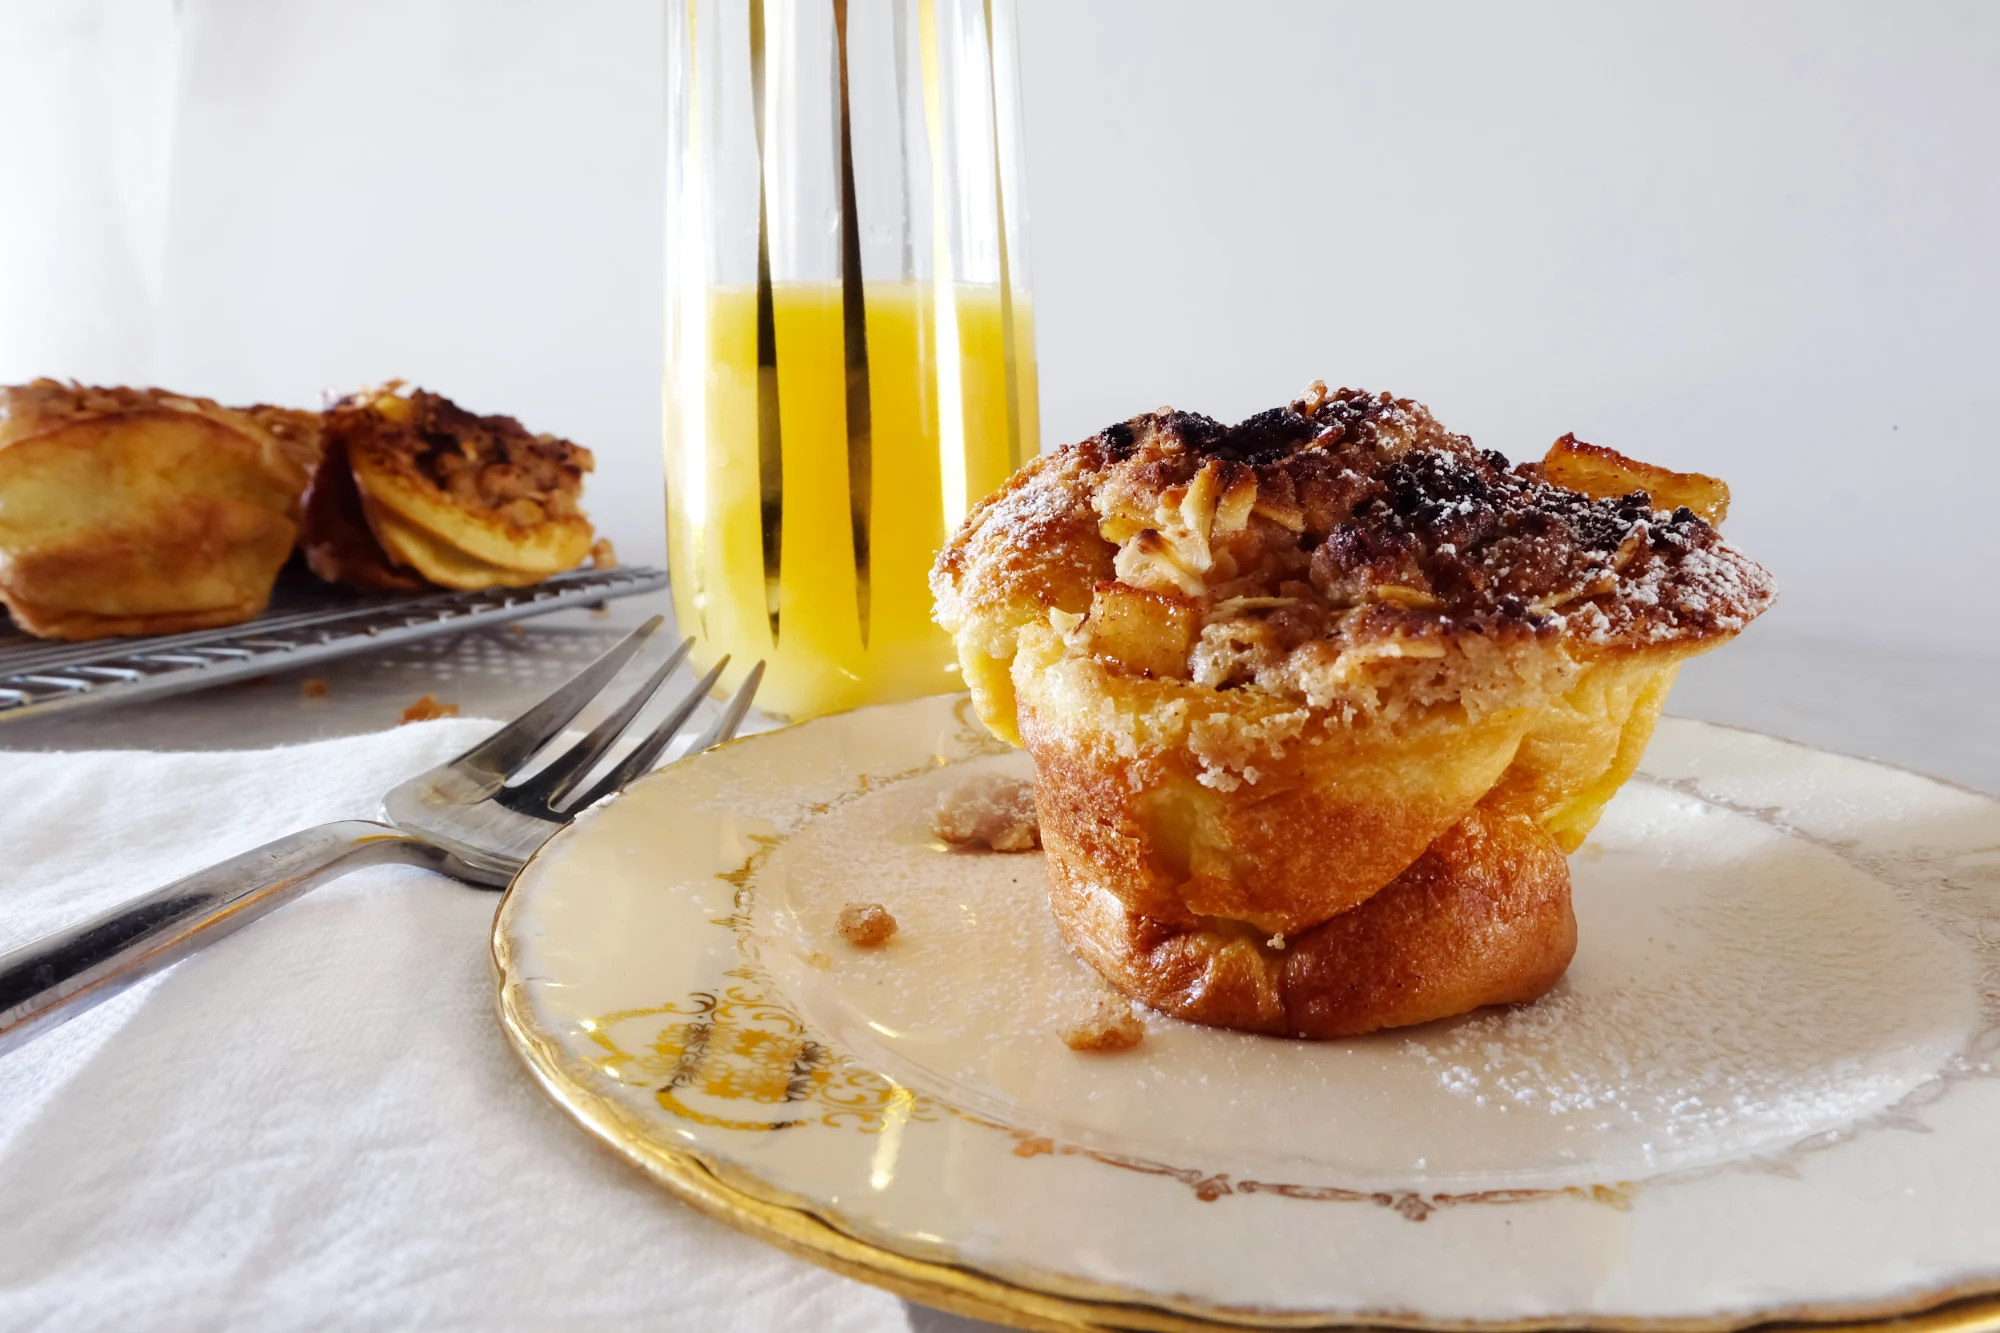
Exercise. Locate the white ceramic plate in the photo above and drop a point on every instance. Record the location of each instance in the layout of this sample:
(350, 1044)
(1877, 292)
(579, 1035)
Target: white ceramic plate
(1765, 1089)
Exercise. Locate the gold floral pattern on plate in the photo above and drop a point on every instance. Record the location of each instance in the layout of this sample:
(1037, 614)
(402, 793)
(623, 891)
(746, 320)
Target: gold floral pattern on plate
(686, 1086)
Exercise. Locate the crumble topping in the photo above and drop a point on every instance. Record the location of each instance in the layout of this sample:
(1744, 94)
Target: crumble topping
(866, 925)
(491, 463)
(41, 403)
(1111, 1026)
(988, 810)
(54, 400)
(1347, 552)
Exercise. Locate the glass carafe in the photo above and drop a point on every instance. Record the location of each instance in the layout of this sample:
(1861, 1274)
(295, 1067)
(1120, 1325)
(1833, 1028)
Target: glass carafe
(850, 358)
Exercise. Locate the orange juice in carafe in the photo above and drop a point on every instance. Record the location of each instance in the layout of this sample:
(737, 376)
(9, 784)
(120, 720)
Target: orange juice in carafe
(803, 535)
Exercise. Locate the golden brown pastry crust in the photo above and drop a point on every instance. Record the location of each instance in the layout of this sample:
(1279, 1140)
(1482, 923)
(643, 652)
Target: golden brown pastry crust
(136, 511)
(298, 432)
(1264, 670)
(413, 492)
(466, 501)
(1189, 803)
(1482, 917)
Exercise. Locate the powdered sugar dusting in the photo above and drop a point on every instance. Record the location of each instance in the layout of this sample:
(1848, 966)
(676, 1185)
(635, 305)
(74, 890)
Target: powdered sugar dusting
(1735, 992)
(1333, 546)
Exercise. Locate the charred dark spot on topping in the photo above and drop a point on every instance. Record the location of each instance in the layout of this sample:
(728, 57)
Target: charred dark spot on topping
(1199, 433)
(1119, 441)
(1429, 481)
(1268, 437)
(1366, 504)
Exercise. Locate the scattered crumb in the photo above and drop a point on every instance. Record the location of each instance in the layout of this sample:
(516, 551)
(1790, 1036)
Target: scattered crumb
(312, 688)
(819, 960)
(866, 925)
(600, 610)
(517, 629)
(603, 555)
(989, 809)
(427, 709)
(1276, 941)
(1111, 1027)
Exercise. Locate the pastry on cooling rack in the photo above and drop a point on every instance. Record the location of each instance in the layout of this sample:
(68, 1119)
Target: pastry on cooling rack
(1267, 672)
(413, 491)
(137, 511)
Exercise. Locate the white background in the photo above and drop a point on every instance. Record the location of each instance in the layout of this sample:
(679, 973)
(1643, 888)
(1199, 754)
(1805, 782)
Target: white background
(1755, 240)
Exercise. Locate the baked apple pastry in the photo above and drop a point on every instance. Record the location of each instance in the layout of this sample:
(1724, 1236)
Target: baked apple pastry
(1318, 702)
(136, 511)
(414, 491)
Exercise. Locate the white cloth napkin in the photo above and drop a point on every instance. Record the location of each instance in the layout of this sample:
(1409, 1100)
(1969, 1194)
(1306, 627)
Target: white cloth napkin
(317, 1122)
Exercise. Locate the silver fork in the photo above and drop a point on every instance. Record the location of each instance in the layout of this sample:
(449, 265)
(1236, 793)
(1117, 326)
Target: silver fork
(460, 818)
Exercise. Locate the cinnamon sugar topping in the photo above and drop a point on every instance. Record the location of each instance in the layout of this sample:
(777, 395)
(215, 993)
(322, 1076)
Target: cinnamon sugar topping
(1348, 537)
(492, 463)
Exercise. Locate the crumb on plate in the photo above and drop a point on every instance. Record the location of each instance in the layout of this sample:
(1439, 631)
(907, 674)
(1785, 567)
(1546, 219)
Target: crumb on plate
(866, 925)
(312, 688)
(990, 809)
(427, 709)
(1112, 1026)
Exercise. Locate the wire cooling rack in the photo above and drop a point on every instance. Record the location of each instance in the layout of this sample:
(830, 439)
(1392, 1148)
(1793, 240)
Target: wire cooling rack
(303, 625)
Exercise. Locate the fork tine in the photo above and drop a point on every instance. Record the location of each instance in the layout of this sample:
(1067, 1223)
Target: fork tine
(731, 717)
(567, 769)
(647, 752)
(513, 745)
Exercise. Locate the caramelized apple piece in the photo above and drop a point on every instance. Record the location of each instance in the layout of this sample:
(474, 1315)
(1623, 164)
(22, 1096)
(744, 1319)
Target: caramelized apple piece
(1606, 474)
(1142, 631)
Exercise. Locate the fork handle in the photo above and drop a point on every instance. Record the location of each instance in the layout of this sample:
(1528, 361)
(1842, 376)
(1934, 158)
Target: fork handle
(57, 977)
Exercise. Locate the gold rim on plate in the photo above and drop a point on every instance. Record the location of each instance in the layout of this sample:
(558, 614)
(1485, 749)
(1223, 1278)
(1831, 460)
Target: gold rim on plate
(752, 1207)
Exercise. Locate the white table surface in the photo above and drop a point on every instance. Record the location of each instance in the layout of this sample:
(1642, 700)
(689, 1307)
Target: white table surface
(1934, 714)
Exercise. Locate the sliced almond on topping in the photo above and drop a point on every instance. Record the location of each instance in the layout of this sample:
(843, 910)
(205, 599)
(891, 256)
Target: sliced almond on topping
(1605, 581)
(1236, 606)
(1395, 647)
(1399, 595)
(1232, 511)
(1198, 505)
(1149, 561)
(1119, 529)
(1284, 513)
(1191, 549)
